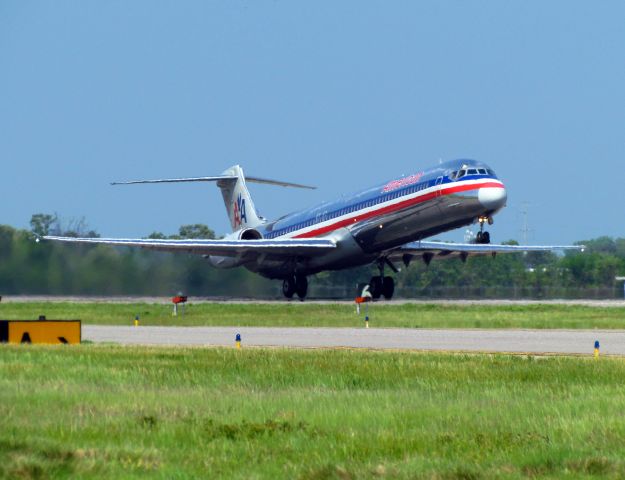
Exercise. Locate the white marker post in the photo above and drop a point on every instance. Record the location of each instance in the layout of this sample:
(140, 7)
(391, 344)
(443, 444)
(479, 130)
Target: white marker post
(365, 298)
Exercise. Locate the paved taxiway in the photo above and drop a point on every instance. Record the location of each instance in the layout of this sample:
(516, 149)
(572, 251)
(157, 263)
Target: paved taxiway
(517, 341)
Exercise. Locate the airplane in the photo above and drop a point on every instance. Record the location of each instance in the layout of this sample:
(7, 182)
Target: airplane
(382, 225)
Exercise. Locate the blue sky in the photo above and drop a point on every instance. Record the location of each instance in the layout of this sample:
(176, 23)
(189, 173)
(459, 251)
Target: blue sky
(341, 95)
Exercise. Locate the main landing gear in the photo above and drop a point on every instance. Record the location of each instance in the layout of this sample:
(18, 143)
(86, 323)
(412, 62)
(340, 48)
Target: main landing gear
(295, 284)
(380, 285)
(483, 237)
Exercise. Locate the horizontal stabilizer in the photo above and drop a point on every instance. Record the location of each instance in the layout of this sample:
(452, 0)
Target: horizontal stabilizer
(278, 183)
(178, 180)
(216, 179)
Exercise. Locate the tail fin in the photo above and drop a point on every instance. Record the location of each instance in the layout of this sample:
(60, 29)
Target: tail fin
(238, 201)
(239, 205)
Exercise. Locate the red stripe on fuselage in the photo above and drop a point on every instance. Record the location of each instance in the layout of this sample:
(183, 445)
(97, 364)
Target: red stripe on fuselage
(397, 206)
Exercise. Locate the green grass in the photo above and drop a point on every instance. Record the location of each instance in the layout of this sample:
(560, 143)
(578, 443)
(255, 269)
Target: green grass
(124, 412)
(328, 315)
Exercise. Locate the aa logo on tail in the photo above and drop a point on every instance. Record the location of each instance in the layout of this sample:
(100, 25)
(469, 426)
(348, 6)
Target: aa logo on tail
(239, 216)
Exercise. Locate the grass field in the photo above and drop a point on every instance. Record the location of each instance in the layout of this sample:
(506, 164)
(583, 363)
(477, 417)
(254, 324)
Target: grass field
(126, 412)
(328, 315)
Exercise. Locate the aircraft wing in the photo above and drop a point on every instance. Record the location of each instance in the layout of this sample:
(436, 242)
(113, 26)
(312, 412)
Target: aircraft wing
(228, 248)
(429, 250)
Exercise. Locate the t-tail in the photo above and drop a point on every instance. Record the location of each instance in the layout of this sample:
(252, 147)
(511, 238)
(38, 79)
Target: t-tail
(237, 199)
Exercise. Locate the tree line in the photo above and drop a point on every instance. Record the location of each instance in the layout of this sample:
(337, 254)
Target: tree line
(31, 267)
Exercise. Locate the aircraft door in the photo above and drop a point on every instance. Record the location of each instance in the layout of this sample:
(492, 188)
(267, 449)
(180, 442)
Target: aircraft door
(439, 182)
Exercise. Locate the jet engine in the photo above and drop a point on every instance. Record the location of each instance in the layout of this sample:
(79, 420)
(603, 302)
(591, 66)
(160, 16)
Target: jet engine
(250, 234)
(231, 262)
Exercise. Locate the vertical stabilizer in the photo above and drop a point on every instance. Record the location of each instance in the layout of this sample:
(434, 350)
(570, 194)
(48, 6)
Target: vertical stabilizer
(239, 205)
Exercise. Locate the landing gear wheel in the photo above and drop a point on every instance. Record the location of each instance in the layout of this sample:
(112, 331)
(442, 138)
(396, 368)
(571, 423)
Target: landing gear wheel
(301, 286)
(482, 238)
(375, 287)
(288, 287)
(388, 287)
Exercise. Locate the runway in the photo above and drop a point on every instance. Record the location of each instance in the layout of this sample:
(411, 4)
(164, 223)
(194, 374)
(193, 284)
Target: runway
(611, 303)
(474, 340)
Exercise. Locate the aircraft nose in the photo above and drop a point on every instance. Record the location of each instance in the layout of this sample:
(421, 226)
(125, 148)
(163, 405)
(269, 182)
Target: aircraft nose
(492, 198)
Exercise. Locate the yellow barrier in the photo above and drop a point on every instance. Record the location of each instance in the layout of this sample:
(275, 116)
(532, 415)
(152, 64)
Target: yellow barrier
(40, 331)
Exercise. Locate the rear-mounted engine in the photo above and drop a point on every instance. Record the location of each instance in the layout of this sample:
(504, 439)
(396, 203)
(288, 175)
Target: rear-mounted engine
(250, 234)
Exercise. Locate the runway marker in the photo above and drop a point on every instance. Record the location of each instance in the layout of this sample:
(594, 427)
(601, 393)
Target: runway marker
(365, 296)
(179, 299)
(137, 321)
(237, 340)
(596, 348)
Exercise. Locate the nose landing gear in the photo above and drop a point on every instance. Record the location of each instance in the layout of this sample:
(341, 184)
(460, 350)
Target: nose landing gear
(483, 237)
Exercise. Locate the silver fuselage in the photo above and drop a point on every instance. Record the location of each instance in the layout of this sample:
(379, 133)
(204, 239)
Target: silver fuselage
(371, 222)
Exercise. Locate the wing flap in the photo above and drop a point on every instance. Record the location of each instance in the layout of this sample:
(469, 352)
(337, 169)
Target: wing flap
(286, 247)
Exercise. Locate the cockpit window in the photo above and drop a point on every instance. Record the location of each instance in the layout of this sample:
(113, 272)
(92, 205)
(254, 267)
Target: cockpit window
(461, 174)
(482, 171)
(453, 174)
(472, 171)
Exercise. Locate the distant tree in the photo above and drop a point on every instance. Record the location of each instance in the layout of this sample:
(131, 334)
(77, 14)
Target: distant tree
(601, 245)
(42, 223)
(197, 230)
(54, 268)
(619, 244)
(76, 227)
